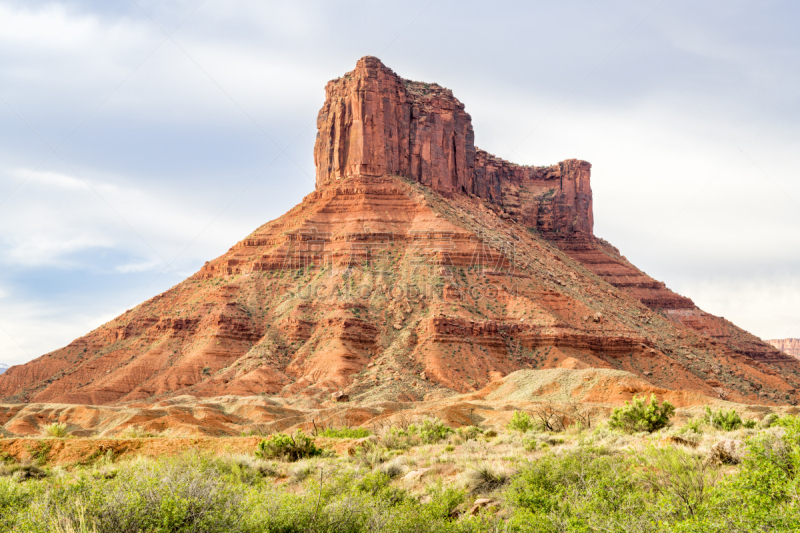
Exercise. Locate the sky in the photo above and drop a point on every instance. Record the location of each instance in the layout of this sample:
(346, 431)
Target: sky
(139, 139)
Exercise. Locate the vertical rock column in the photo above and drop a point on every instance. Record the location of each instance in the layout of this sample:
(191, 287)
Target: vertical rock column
(375, 123)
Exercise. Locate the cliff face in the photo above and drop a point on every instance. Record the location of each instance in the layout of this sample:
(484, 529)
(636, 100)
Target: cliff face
(788, 346)
(374, 123)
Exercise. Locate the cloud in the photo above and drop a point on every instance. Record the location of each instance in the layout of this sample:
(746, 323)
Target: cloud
(57, 216)
(28, 330)
(140, 266)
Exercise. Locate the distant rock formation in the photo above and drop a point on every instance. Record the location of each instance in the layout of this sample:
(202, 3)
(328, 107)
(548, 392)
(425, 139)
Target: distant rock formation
(3, 367)
(788, 346)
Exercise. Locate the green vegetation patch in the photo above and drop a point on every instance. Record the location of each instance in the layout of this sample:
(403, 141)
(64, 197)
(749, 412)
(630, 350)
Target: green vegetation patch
(639, 415)
(345, 433)
(288, 447)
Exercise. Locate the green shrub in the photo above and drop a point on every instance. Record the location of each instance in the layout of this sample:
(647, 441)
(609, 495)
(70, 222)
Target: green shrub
(520, 421)
(345, 433)
(679, 476)
(40, 452)
(726, 420)
(763, 495)
(768, 420)
(639, 415)
(469, 432)
(21, 472)
(582, 490)
(585, 489)
(431, 431)
(287, 447)
(693, 425)
(371, 455)
(56, 429)
(184, 495)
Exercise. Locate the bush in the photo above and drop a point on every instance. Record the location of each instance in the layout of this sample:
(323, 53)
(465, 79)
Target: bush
(371, 455)
(693, 425)
(246, 469)
(768, 420)
(393, 468)
(659, 488)
(287, 447)
(520, 421)
(431, 431)
(469, 432)
(345, 433)
(639, 415)
(581, 490)
(485, 479)
(23, 472)
(186, 495)
(56, 429)
(726, 420)
(763, 495)
(678, 475)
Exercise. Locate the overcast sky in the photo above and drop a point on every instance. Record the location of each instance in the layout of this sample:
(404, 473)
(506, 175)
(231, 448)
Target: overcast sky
(140, 139)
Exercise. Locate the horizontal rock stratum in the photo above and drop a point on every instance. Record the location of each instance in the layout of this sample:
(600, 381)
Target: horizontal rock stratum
(421, 267)
(788, 346)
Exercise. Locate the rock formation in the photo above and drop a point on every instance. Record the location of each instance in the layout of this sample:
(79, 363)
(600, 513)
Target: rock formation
(420, 267)
(375, 123)
(787, 346)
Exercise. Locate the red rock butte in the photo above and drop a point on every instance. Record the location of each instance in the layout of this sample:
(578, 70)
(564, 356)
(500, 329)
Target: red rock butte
(421, 267)
(374, 123)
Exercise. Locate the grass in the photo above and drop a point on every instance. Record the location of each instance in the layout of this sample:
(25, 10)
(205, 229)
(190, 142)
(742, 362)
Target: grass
(485, 479)
(345, 433)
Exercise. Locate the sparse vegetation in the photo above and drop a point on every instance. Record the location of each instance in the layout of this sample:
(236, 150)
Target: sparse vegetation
(345, 433)
(429, 431)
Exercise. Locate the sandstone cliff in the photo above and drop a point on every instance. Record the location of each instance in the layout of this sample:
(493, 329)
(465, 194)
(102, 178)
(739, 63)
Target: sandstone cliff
(375, 123)
(788, 346)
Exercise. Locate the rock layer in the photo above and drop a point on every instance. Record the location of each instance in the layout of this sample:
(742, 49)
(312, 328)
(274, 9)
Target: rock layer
(787, 346)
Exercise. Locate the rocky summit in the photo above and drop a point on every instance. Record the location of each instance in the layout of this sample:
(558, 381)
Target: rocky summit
(421, 268)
